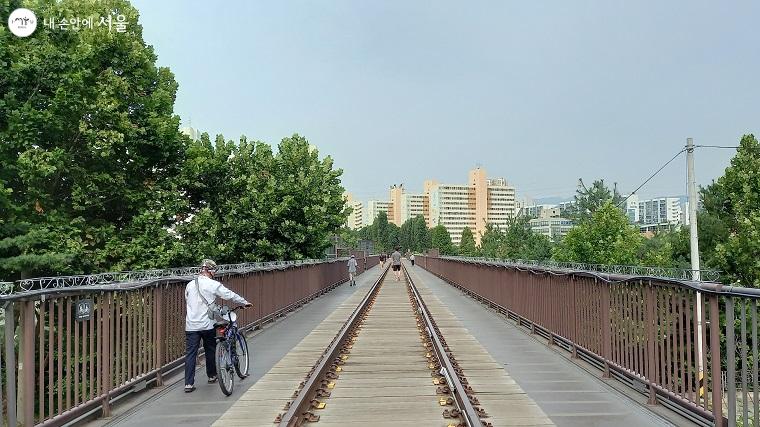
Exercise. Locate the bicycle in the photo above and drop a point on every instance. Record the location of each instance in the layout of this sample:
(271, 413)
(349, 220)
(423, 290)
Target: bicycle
(231, 350)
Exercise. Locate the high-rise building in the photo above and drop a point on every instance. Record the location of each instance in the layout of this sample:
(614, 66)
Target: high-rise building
(632, 208)
(374, 207)
(553, 228)
(663, 210)
(394, 209)
(412, 205)
(480, 202)
(539, 211)
(355, 219)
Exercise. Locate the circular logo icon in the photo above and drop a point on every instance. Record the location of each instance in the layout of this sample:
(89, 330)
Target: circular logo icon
(22, 22)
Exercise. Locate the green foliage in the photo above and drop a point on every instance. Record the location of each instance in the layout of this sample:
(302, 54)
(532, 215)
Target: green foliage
(467, 243)
(385, 235)
(606, 238)
(441, 239)
(590, 200)
(735, 200)
(414, 235)
(517, 241)
(95, 175)
(349, 237)
(88, 135)
(247, 203)
(665, 249)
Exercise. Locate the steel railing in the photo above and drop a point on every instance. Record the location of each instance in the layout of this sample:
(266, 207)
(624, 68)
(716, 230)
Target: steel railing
(706, 275)
(673, 340)
(61, 364)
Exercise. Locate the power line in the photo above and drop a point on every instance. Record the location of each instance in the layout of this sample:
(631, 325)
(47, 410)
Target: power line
(717, 146)
(652, 176)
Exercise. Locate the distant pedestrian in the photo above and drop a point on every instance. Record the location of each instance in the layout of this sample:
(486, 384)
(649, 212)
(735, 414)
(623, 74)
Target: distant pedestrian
(382, 260)
(352, 270)
(396, 260)
(411, 258)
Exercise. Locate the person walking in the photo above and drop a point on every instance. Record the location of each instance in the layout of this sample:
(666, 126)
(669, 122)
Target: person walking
(411, 258)
(396, 260)
(352, 270)
(382, 260)
(200, 294)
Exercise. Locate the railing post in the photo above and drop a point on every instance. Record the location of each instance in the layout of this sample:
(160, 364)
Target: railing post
(105, 346)
(159, 316)
(10, 362)
(28, 363)
(730, 361)
(717, 387)
(574, 340)
(650, 322)
(605, 326)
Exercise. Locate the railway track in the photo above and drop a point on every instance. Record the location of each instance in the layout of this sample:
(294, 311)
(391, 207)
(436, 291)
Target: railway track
(388, 364)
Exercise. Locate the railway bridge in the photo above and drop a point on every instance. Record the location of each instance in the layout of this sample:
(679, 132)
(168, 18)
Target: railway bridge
(450, 341)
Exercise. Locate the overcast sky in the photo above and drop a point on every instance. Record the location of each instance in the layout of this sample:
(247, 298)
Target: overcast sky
(539, 92)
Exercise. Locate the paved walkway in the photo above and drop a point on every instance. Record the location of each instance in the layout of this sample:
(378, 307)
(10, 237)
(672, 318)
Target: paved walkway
(172, 406)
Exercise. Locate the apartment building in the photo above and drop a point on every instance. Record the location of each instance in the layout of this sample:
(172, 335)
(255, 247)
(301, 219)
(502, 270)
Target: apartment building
(355, 219)
(412, 205)
(663, 210)
(452, 206)
(553, 228)
(538, 211)
(374, 207)
(479, 202)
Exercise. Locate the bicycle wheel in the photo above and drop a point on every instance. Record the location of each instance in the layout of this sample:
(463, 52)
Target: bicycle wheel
(243, 361)
(224, 368)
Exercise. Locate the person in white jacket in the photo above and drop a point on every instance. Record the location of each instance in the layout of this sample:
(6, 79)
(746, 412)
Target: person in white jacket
(200, 294)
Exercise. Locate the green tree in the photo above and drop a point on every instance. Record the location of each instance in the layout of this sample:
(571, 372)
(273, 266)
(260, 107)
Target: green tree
(441, 240)
(248, 204)
(589, 200)
(406, 239)
(737, 203)
(393, 236)
(606, 238)
(421, 234)
(414, 235)
(664, 249)
(87, 137)
(467, 243)
(380, 235)
(519, 241)
(349, 237)
(491, 241)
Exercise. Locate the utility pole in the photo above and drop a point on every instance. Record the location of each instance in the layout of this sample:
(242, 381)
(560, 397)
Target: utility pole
(694, 245)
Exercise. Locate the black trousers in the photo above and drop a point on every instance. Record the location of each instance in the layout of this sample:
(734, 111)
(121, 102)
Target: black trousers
(192, 343)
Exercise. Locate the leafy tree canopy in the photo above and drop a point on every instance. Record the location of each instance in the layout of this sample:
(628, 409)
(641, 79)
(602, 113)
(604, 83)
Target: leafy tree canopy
(606, 238)
(467, 243)
(441, 239)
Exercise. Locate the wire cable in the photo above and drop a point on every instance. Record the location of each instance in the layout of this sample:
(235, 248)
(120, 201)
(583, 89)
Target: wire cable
(651, 176)
(717, 146)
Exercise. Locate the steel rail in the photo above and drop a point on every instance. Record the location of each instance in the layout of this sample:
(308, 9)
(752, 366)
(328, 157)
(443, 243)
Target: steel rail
(302, 400)
(466, 408)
